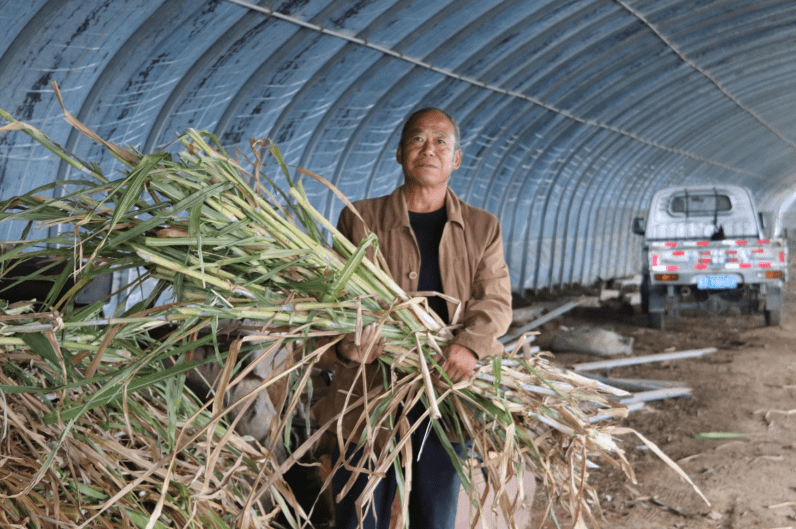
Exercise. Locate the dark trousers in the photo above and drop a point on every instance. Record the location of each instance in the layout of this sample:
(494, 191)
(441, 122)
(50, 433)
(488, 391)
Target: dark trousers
(435, 487)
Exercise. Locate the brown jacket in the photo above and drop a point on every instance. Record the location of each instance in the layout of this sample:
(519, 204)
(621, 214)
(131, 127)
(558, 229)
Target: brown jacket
(472, 267)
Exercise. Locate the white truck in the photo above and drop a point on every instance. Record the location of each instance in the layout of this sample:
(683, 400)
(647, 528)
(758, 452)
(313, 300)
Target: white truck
(704, 249)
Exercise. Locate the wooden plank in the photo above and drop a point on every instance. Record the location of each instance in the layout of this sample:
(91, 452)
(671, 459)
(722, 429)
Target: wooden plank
(635, 360)
(634, 384)
(656, 394)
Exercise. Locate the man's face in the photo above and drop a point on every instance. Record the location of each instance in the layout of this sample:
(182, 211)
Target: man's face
(428, 152)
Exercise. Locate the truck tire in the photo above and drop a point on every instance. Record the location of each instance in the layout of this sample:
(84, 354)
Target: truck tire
(645, 294)
(774, 317)
(657, 320)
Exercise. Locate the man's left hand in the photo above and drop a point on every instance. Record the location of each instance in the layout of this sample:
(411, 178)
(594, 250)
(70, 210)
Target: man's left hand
(459, 362)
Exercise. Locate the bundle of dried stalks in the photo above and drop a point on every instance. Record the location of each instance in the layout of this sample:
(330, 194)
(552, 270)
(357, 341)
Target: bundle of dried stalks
(153, 455)
(225, 248)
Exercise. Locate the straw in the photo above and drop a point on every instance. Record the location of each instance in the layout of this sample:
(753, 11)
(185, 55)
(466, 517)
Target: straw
(227, 251)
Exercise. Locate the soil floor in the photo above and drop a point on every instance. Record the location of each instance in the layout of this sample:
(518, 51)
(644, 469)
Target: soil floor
(747, 388)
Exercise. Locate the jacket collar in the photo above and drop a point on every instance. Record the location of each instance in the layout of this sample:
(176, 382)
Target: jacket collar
(396, 215)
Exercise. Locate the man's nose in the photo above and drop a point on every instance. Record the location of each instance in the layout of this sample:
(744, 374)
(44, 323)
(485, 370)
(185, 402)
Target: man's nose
(427, 148)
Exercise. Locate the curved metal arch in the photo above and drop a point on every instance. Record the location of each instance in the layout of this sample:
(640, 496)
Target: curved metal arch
(519, 220)
(598, 265)
(627, 158)
(682, 12)
(591, 165)
(109, 73)
(546, 188)
(654, 124)
(26, 32)
(738, 16)
(567, 237)
(519, 151)
(732, 153)
(177, 95)
(561, 52)
(567, 189)
(587, 72)
(516, 59)
(22, 43)
(267, 69)
(541, 163)
(489, 145)
(557, 216)
(479, 20)
(499, 156)
(587, 213)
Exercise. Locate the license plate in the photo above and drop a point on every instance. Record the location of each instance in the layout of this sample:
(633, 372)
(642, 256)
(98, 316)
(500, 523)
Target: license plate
(717, 282)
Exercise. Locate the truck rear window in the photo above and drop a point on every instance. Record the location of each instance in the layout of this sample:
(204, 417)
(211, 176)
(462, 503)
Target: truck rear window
(700, 204)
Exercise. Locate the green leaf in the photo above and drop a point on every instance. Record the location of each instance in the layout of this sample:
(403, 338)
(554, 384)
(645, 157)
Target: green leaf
(183, 205)
(91, 492)
(350, 266)
(717, 436)
(142, 520)
(40, 345)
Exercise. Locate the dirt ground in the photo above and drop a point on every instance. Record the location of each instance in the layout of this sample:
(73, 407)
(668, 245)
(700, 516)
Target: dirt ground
(747, 387)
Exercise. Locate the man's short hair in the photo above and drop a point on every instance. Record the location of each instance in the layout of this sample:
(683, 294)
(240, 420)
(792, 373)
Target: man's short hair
(418, 113)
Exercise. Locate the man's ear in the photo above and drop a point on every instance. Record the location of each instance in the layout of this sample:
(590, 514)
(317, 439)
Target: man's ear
(457, 158)
(399, 154)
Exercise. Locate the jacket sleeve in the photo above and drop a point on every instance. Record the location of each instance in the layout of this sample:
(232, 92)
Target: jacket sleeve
(352, 228)
(347, 224)
(487, 314)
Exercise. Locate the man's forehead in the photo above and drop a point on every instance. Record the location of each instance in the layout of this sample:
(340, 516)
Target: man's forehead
(433, 122)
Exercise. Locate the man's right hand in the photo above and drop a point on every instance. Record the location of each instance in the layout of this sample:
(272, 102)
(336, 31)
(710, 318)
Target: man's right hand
(371, 345)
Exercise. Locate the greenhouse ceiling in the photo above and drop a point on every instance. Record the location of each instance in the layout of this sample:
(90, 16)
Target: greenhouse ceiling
(572, 112)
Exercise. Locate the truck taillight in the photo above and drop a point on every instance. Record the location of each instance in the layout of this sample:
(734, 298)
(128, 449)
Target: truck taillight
(671, 244)
(672, 268)
(764, 241)
(701, 267)
(746, 265)
(667, 277)
(773, 274)
(705, 261)
(764, 265)
(758, 250)
(741, 243)
(654, 259)
(680, 253)
(781, 257)
(703, 243)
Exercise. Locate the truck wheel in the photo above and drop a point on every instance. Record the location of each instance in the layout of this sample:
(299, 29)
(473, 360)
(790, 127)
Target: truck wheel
(645, 295)
(657, 320)
(774, 318)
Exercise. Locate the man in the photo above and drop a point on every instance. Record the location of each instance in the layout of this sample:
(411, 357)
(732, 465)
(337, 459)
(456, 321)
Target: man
(432, 241)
